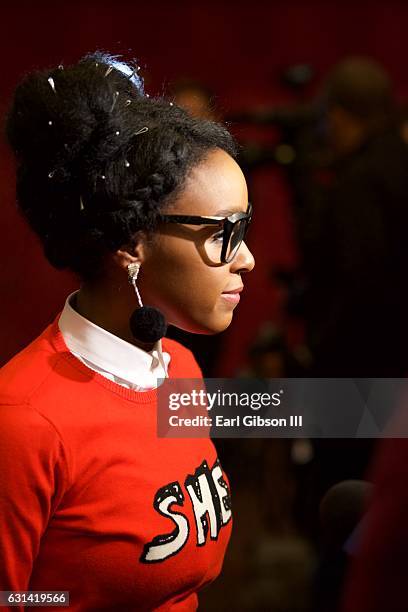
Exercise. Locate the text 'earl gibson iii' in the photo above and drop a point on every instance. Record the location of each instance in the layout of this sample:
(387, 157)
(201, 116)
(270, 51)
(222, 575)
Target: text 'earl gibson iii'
(248, 420)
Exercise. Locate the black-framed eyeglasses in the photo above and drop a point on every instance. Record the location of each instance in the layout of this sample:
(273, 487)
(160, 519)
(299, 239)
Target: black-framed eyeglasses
(233, 230)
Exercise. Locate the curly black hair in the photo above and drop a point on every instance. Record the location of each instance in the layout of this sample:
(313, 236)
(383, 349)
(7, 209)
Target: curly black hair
(89, 177)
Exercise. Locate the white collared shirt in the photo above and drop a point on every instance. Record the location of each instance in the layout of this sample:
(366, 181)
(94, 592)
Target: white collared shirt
(114, 358)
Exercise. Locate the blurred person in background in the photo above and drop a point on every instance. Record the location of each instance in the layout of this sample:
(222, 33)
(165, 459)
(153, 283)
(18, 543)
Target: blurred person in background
(377, 578)
(357, 253)
(195, 97)
(353, 218)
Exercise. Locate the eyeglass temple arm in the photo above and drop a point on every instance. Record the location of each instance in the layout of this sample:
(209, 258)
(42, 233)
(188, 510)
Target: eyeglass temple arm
(192, 220)
(197, 220)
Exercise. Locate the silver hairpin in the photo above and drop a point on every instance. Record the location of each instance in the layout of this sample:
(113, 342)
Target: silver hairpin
(50, 122)
(171, 103)
(81, 203)
(96, 64)
(103, 177)
(126, 163)
(60, 67)
(117, 133)
(147, 95)
(141, 131)
(115, 99)
(128, 102)
(108, 71)
(52, 84)
(51, 174)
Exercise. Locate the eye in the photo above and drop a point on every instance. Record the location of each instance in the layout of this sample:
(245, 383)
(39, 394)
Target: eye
(217, 237)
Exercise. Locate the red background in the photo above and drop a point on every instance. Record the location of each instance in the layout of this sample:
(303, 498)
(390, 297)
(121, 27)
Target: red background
(235, 47)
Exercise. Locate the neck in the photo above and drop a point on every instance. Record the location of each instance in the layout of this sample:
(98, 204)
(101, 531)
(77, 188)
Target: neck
(109, 308)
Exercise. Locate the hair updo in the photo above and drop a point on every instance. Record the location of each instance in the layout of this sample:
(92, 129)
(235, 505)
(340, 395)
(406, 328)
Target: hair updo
(88, 177)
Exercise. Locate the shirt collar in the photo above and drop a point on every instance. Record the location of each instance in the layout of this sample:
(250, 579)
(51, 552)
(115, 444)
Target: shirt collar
(109, 352)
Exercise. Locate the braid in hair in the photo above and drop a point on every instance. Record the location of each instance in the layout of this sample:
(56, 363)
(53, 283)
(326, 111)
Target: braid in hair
(98, 160)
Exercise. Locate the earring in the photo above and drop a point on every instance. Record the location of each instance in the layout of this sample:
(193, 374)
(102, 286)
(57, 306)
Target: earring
(147, 324)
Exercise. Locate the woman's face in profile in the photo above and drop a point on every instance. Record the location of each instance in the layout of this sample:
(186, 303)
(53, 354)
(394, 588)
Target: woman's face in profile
(181, 273)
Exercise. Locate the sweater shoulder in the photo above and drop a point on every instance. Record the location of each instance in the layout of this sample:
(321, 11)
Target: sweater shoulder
(182, 364)
(27, 370)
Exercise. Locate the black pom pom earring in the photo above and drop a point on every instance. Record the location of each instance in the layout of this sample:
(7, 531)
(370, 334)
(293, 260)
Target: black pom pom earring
(147, 324)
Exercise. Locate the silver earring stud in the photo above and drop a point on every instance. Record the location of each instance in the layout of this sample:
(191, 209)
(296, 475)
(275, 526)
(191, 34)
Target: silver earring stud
(133, 273)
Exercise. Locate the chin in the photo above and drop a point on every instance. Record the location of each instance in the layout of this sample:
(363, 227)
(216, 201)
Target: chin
(215, 325)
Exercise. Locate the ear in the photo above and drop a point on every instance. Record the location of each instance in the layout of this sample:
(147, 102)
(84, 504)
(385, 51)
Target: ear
(130, 253)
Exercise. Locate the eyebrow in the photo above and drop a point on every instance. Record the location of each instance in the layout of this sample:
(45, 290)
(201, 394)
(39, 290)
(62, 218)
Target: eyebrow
(223, 213)
(226, 212)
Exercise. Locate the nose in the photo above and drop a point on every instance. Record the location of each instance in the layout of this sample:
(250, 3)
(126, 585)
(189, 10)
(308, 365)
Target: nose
(244, 260)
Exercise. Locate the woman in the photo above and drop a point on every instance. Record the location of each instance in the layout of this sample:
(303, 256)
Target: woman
(147, 206)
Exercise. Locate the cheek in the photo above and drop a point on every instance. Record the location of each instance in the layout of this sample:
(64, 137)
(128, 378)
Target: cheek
(186, 289)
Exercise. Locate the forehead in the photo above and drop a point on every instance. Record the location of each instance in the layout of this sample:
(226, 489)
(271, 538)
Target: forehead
(216, 184)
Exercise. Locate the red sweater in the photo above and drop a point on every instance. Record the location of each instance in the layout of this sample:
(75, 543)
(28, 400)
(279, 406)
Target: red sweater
(91, 501)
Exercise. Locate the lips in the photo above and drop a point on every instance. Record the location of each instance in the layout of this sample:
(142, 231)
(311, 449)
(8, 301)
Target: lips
(232, 295)
(237, 290)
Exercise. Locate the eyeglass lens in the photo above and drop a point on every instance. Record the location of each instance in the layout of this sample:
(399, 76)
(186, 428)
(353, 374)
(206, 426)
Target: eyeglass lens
(214, 244)
(236, 238)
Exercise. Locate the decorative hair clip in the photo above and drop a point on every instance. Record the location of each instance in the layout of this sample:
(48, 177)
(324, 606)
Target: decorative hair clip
(115, 99)
(108, 70)
(141, 131)
(52, 84)
(133, 72)
(128, 102)
(81, 203)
